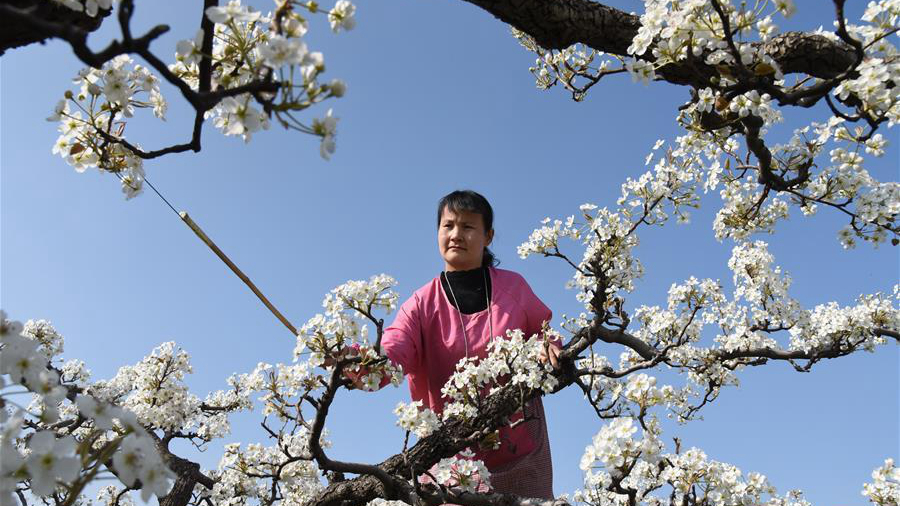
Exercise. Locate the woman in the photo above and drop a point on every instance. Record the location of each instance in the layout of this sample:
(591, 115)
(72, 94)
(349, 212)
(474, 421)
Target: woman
(455, 316)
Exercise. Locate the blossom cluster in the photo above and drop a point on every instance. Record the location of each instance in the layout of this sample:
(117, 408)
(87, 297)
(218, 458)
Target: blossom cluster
(616, 457)
(342, 332)
(363, 295)
(614, 447)
(763, 289)
(721, 483)
(118, 421)
(513, 360)
(846, 179)
(633, 395)
(565, 66)
(346, 310)
(694, 26)
(879, 73)
(741, 214)
(617, 463)
(668, 32)
(885, 487)
(672, 32)
(93, 117)
(461, 473)
(154, 389)
(842, 181)
(415, 418)
(607, 235)
(285, 468)
(762, 284)
(749, 321)
(239, 475)
(53, 460)
(642, 390)
(26, 361)
(846, 328)
(608, 246)
(247, 48)
(545, 240)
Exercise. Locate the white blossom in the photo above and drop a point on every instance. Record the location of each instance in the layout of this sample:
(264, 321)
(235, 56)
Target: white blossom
(641, 70)
(51, 460)
(341, 16)
(279, 51)
(326, 128)
(233, 11)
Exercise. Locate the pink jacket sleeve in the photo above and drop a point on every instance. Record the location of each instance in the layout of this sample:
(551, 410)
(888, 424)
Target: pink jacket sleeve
(402, 340)
(536, 311)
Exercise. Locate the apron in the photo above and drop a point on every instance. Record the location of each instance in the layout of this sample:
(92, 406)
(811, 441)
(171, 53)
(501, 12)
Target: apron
(532, 475)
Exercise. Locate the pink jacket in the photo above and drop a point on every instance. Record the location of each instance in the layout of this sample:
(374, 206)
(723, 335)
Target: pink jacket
(426, 340)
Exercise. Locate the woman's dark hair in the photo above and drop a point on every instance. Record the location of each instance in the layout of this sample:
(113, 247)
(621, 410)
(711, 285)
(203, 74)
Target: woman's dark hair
(473, 202)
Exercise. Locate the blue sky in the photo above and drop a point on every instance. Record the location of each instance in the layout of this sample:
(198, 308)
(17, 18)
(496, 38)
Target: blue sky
(439, 98)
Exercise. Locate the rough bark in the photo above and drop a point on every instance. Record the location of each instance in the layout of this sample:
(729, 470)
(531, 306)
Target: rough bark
(187, 476)
(14, 33)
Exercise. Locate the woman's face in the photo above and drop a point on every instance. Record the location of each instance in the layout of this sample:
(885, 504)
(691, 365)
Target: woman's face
(462, 239)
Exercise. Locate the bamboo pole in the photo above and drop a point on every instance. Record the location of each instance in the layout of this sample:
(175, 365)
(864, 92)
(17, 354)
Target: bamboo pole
(234, 268)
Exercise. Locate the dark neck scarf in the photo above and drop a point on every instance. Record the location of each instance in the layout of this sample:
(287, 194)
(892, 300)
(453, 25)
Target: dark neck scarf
(468, 287)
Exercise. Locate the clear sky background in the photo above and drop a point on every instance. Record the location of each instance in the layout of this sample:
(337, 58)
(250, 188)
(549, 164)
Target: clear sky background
(439, 98)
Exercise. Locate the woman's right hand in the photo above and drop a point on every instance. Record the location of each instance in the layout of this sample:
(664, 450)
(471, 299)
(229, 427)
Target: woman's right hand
(354, 376)
(359, 372)
(550, 353)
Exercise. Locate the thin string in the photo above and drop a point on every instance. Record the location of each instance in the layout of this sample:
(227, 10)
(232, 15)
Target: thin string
(462, 324)
(158, 194)
(183, 216)
(161, 196)
(488, 301)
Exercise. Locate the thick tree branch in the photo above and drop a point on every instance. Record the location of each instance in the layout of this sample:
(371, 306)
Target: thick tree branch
(557, 24)
(315, 446)
(77, 37)
(470, 499)
(887, 333)
(14, 33)
(187, 476)
(832, 351)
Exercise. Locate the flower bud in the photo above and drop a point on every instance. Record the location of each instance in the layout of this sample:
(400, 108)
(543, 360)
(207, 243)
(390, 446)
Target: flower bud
(338, 88)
